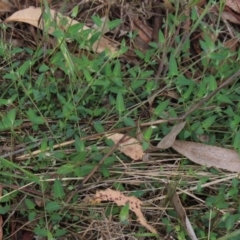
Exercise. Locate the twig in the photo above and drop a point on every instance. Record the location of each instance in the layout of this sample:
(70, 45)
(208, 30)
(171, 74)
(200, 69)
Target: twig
(157, 21)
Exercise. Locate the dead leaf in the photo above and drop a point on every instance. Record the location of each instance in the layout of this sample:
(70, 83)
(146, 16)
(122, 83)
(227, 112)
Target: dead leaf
(169, 139)
(28, 235)
(176, 202)
(130, 147)
(234, 5)
(171, 94)
(168, 5)
(230, 17)
(209, 156)
(32, 15)
(120, 199)
(144, 32)
(232, 44)
(5, 7)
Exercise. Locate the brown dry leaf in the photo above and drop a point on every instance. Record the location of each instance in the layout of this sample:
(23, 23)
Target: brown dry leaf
(209, 156)
(130, 147)
(168, 140)
(168, 5)
(176, 202)
(234, 5)
(144, 32)
(232, 44)
(5, 6)
(32, 15)
(230, 17)
(171, 94)
(120, 199)
(28, 235)
(200, 3)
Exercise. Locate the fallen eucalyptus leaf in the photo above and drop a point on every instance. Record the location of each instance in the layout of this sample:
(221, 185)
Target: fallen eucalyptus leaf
(176, 202)
(32, 15)
(209, 156)
(169, 139)
(130, 147)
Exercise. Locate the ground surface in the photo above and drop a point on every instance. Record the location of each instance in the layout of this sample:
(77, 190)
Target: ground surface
(146, 67)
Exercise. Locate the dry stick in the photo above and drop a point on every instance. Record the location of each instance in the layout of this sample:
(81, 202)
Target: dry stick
(157, 21)
(96, 167)
(200, 103)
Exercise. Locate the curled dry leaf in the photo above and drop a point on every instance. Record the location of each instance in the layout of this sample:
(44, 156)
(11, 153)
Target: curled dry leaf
(176, 202)
(168, 140)
(32, 15)
(130, 147)
(120, 199)
(209, 156)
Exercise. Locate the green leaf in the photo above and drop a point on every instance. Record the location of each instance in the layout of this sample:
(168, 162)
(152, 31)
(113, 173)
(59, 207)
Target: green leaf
(41, 232)
(43, 68)
(137, 83)
(153, 45)
(229, 222)
(11, 116)
(4, 208)
(74, 12)
(183, 81)
(161, 107)
(97, 20)
(139, 54)
(60, 232)
(212, 83)
(34, 118)
(120, 105)
(30, 204)
(58, 189)
(98, 126)
(12, 165)
(79, 144)
(236, 142)
(146, 74)
(24, 67)
(83, 170)
(223, 98)
(129, 122)
(173, 68)
(52, 206)
(124, 214)
(32, 216)
(208, 122)
(105, 172)
(114, 23)
(65, 169)
(8, 101)
(161, 37)
(148, 133)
